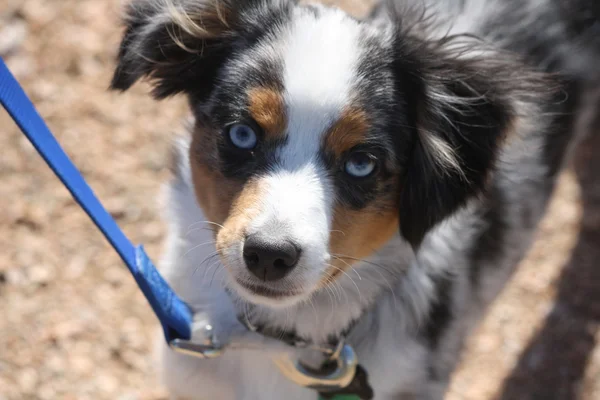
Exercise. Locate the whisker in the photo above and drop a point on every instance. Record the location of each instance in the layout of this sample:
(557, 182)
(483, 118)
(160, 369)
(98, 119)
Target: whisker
(208, 268)
(392, 273)
(287, 321)
(334, 289)
(332, 300)
(329, 295)
(219, 266)
(349, 266)
(195, 247)
(205, 222)
(312, 304)
(341, 290)
(209, 257)
(197, 229)
(349, 277)
(246, 308)
(389, 285)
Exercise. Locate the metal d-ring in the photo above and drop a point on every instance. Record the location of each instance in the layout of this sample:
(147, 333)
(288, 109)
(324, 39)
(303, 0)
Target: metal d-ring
(333, 377)
(209, 348)
(345, 360)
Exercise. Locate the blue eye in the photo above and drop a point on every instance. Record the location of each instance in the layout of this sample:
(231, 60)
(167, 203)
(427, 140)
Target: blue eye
(243, 136)
(360, 165)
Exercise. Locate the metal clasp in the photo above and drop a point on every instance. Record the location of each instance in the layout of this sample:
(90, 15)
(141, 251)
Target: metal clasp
(208, 348)
(341, 376)
(338, 371)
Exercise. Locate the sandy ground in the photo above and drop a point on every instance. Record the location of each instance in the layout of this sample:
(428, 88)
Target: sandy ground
(74, 326)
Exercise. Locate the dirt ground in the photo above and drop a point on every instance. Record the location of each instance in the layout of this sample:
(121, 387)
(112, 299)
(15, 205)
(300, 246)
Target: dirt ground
(74, 326)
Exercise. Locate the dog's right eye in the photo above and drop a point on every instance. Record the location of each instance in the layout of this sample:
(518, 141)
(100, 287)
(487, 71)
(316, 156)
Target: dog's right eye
(242, 136)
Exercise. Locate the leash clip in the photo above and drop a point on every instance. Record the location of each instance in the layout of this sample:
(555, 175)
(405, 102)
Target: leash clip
(209, 348)
(337, 373)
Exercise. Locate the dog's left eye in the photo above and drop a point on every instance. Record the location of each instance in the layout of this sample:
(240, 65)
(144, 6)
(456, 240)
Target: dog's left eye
(360, 165)
(243, 136)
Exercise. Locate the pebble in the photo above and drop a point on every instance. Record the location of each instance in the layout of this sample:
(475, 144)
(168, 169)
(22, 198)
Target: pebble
(107, 383)
(12, 35)
(28, 380)
(81, 365)
(46, 392)
(21, 65)
(120, 141)
(67, 330)
(40, 274)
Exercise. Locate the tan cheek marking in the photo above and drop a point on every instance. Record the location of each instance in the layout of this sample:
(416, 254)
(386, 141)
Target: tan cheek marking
(214, 192)
(267, 107)
(356, 235)
(244, 208)
(348, 131)
(226, 202)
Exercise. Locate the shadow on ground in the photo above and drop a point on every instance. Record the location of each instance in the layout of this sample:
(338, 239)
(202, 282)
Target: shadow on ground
(553, 365)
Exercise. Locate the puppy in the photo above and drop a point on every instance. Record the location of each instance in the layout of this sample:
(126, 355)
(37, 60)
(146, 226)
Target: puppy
(371, 180)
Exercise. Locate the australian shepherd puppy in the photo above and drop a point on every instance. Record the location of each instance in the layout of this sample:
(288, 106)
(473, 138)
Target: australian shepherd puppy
(376, 180)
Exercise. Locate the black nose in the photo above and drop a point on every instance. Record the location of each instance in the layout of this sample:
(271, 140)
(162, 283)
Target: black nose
(268, 258)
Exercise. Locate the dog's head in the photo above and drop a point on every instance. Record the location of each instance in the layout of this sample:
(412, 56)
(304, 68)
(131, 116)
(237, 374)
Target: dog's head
(318, 136)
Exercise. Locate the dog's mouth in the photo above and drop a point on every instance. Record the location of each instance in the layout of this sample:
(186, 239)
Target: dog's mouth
(271, 266)
(268, 292)
(265, 293)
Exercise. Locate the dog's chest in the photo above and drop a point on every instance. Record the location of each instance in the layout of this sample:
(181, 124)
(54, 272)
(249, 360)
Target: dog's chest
(391, 371)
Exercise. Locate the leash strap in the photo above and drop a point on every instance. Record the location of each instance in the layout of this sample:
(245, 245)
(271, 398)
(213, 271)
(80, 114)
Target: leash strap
(172, 312)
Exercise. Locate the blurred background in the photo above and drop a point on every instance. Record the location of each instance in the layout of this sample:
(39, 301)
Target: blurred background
(74, 326)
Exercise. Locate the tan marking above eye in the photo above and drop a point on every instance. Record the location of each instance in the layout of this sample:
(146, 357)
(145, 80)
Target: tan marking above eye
(267, 108)
(347, 132)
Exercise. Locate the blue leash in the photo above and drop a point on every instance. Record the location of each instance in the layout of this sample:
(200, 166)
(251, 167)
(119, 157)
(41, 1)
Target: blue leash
(174, 315)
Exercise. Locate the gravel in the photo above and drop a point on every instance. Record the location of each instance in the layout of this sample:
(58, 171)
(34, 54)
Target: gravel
(74, 326)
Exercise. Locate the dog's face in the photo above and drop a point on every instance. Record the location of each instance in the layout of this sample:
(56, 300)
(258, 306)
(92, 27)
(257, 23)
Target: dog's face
(317, 136)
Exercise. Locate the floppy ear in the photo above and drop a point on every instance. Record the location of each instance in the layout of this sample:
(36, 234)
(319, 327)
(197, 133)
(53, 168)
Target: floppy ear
(463, 109)
(179, 44)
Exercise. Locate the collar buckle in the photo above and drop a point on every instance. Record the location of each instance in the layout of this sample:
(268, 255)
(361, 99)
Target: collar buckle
(336, 373)
(343, 362)
(207, 348)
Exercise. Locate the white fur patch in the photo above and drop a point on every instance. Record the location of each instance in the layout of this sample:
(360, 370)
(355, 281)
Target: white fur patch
(320, 58)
